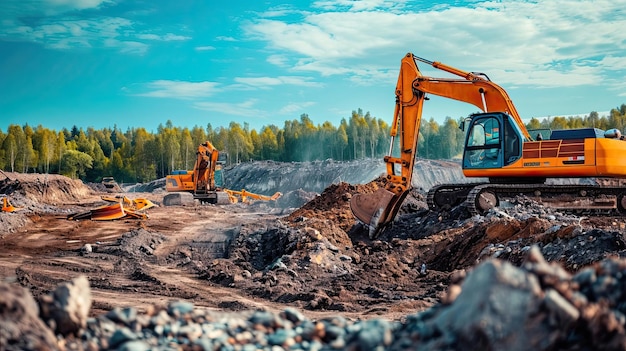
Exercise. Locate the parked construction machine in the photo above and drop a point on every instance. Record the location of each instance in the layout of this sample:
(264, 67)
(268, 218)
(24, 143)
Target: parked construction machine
(206, 181)
(498, 147)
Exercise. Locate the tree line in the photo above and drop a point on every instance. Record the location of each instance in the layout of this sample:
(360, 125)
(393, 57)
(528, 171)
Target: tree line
(137, 155)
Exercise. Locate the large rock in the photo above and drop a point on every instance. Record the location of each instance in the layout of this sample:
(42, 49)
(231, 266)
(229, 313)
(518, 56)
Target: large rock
(178, 199)
(498, 308)
(66, 309)
(20, 326)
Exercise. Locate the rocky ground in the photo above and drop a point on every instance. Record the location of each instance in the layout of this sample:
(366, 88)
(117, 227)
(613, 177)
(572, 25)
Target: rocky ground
(300, 273)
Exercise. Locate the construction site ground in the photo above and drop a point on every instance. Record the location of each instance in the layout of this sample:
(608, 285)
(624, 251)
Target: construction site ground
(180, 252)
(313, 257)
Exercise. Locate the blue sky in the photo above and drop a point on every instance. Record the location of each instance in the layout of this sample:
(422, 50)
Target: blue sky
(100, 63)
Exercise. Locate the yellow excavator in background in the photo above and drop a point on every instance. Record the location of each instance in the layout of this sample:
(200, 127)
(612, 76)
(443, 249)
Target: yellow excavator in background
(243, 195)
(497, 147)
(206, 181)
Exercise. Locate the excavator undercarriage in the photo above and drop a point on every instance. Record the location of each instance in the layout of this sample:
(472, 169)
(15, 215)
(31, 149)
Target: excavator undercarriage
(479, 198)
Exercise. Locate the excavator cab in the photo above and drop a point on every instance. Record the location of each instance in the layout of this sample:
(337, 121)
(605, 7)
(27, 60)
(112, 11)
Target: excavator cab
(219, 176)
(493, 140)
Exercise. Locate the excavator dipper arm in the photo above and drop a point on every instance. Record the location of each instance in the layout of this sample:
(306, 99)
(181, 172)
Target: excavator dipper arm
(204, 169)
(378, 209)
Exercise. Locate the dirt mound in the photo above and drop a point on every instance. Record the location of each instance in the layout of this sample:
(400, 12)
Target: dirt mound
(318, 253)
(317, 258)
(51, 189)
(38, 194)
(333, 203)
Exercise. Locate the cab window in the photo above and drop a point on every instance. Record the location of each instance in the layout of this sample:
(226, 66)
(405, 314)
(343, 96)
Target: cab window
(483, 144)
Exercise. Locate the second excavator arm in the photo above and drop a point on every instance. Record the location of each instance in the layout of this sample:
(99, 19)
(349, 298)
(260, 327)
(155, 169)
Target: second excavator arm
(378, 209)
(204, 169)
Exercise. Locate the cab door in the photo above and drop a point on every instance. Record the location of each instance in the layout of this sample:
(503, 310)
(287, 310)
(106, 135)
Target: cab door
(484, 142)
(493, 141)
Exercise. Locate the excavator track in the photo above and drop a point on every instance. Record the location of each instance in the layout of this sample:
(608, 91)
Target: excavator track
(446, 196)
(581, 199)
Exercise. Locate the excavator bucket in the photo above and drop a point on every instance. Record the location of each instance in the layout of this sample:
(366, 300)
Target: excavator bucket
(107, 213)
(376, 209)
(142, 204)
(103, 213)
(369, 208)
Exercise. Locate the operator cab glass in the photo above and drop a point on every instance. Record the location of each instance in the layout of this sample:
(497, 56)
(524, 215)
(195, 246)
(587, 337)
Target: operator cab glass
(219, 177)
(492, 141)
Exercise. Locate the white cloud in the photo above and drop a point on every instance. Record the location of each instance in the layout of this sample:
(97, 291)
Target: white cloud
(223, 38)
(279, 11)
(543, 44)
(76, 4)
(174, 37)
(148, 36)
(179, 89)
(205, 48)
(295, 107)
(356, 5)
(277, 60)
(245, 108)
(129, 47)
(59, 24)
(264, 82)
(166, 37)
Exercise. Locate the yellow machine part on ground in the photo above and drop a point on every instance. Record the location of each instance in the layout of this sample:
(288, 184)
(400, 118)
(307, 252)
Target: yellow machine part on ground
(121, 207)
(139, 204)
(243, 196)
(7, 206)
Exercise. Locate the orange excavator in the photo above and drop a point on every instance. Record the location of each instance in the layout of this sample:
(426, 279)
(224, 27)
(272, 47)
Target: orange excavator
(497, 147)
(206, 181)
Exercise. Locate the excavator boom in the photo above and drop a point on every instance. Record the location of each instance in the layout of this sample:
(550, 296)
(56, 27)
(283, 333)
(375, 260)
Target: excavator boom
(378, 209)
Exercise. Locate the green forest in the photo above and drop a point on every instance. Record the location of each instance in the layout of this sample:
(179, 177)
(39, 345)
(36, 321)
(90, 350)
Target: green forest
(136, 155)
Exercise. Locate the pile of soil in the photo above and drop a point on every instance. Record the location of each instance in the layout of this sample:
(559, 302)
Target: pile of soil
(50, 189)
